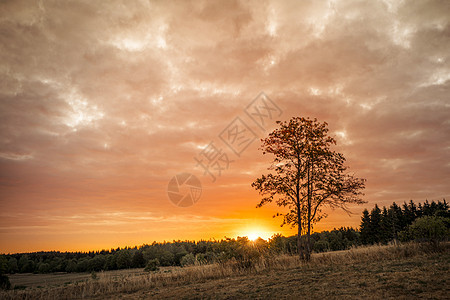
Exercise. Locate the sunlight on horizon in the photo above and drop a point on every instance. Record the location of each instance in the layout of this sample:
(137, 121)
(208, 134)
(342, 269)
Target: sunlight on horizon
(257, 232)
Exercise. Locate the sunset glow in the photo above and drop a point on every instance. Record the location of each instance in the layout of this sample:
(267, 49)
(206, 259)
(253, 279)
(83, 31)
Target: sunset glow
(105, 106)
(253, 236)
(257, 232)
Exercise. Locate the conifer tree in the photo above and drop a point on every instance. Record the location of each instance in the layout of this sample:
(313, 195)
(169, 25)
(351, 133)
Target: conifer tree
(365, 227)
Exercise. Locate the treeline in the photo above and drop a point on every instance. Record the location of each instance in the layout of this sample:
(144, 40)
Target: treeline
(164, 254)
(393, 223)
(378, 226)
(176, 253)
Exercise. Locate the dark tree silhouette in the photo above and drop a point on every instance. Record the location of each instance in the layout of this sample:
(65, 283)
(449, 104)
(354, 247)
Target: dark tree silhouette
(388, 225)
(365, 227)
(375, 225)
(305, 176)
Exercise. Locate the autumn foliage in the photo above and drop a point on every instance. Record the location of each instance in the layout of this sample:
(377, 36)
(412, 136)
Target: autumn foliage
(305, 176)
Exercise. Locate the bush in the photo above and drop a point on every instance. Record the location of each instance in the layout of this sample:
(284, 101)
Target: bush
(201, 258)
(94, 275)
(123, 259)
(277, 243)
(4, 282)
(71, 266)
(43, 268)
(187, 260)
(430, 229)
(152, 265)
(321, 246)
(12, 265)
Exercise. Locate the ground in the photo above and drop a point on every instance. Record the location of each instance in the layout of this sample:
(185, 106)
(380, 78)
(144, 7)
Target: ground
(380, 272)
(402, 279)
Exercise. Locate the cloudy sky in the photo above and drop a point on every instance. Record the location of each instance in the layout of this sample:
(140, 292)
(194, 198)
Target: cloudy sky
(103, 102)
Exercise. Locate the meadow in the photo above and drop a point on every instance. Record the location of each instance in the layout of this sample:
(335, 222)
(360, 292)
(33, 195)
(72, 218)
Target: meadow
(409, 270)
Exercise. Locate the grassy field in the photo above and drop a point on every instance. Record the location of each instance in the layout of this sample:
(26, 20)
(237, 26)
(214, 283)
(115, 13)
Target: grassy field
(404, 272)
(29, 280)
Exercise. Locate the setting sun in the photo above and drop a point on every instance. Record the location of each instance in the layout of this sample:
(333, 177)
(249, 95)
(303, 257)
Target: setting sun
(254, 234)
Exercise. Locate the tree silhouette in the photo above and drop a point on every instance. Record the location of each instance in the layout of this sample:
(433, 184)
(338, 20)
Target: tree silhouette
(388, 225)
(365, 227)
(376, 230)
(305, 176)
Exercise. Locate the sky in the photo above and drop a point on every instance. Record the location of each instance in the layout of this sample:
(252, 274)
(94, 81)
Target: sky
(102, 103)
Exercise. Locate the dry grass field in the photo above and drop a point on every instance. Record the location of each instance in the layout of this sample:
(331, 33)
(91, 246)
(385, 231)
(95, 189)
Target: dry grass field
(378, 272)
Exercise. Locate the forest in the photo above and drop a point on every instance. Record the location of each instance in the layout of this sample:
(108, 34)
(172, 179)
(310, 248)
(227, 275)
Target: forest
(410, 221)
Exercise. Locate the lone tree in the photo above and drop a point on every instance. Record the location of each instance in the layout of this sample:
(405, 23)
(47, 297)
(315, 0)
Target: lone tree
(306, 175)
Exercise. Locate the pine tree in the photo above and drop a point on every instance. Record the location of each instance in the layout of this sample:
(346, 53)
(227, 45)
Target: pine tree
(386, 226)
(413, 209)
(433, 208)
(419, 210)
(409, 213)
(443, 209)
(375, 225)
(382, 226)
(365, 228)
(397, 219)
(426, 210)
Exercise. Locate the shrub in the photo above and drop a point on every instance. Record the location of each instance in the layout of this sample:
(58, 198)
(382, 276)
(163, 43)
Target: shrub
(43, 268)
(321, 246)
(152, 265)
(94, 275)
(187, 260)
(4, 282)
(201, 258)
(12, 265)
(430, 229)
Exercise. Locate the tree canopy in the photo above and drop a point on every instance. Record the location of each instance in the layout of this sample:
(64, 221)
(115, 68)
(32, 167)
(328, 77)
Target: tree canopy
(306, 175)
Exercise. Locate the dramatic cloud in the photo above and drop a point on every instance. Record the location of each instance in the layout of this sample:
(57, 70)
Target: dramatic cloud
(102, 103)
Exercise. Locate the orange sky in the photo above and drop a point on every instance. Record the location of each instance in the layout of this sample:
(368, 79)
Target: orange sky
(101, 104)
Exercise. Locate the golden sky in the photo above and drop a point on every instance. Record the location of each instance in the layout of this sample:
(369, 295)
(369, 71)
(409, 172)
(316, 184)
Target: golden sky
(103, 102)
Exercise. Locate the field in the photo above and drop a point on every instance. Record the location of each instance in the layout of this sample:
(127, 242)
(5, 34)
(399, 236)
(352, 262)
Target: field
(405, 272)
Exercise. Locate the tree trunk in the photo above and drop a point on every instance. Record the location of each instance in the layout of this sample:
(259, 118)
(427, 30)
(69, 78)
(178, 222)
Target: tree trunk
(308, 243)
(308, 233)
(299, 212)
(299, 235)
